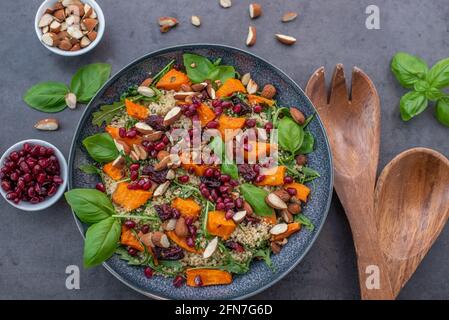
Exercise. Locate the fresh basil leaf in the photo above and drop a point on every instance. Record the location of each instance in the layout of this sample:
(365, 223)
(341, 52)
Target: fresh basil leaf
(101, 147)
(222, 73)
(47, 96)
(408, 69)
(412, 104)
(442, 111)
(101, 241)
(305, 221)
(421, 86)
(202, 67)
(89, 79)
(307, 144)
(89, 169)
(89, 205)
(438, 76)
(231, 170)
(290, 135)
(255, 196)
(433, 94)
(278, 112)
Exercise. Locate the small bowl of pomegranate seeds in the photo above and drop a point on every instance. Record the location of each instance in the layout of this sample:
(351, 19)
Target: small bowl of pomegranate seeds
(33, 175)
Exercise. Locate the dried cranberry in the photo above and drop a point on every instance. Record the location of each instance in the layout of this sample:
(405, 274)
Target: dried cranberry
(188, 221)
(239, 203)
(164, 212)
(250, 123)
(156, 176)
(212, 124)
(130, 224)
(134, 175)
(172, 253)
(229, 214)
(247, 172)
(148, 272)
(268, 126)
(190, 242)
(220, 206)
(156, 122)
(134, 167)
(234, 246)
(210, 182)
(122, 132)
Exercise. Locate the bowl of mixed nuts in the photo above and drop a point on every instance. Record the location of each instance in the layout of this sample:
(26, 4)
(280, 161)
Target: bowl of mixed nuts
(69, 27)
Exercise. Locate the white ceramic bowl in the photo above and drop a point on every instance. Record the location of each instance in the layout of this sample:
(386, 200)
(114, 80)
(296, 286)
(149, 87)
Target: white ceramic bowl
(26, 206)
(101, 24)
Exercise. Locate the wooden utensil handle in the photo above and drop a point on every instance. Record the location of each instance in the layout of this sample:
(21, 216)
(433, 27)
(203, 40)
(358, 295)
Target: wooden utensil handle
(373, 272)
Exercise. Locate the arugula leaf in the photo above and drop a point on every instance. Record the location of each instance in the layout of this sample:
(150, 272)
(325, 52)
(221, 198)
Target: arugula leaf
(47, 96)
(89, 169)
(408, 69)
(305, 221)
(265, 254)
(412, 104)
(200, 68)
(88, 80)
(101, 241)
(101, 147)
(89, 205)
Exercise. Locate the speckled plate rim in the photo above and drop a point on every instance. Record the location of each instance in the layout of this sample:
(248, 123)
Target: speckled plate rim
(204, 46)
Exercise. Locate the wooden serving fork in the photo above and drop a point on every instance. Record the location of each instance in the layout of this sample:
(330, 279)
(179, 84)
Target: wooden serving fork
(353, 126)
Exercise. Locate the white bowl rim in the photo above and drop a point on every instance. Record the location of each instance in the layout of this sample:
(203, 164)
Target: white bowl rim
(25, 206)
(101, 28)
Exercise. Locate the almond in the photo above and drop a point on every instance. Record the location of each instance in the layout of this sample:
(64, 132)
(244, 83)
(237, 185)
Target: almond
(73, 21)
(134, 156)
(90, 23)
(247, 207)
(252, 87)
(92, 35)
(45, 20)
(59, 15)
(160, 190)
(119, 162)
(239, 216)
(160, 239)
(283, 194)
(65, 44)
(87, 10)
(77, 10)
(181, 228)
(181, 96)
(143, 128)
(70, 100)
(268, 91)
(225, 3)
(45, 29)
(301, 159)
(162, 164)
(164, 29)
(279, 229)
(169, 225)
(289, 16)
(197, 87)
(141, 152)
(210, 248)
(167, 22)
(161, 155)
(255, 10)
(153, 136)
(245, 79)
(294, 208)
(186, 88)
(49, 124)
(252, 35)
(67, 3)
(170, 175)
(122, 146)
(55, 26)
(288, 40)
(211, 91)
(76, 47)
(286, 216)
(93, 14)
(85, 42)
(146, 91)
(147, 82)
(275, 202)
(50, 39)
(63, 35)
(275, 248)
(172, 116)
(75, 32)
(49, 10)
(58, 6)
(196, 21)
(298, 116)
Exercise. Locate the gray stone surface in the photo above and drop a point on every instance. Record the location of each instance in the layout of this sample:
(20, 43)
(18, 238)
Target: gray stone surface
(36, 247)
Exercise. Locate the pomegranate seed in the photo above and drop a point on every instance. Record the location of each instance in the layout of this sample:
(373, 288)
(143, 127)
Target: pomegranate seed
(159, 146)
(42, 151)
(220, 206)
(133, 186)
(134, 167)
(209, 172)
(165, 140)
(239, 203)
(216, 103)
(11, 195)
(288, 179)
(57, 180)
(237, 108)
(218, 111)
(6, 186)
(122, 132)
(50, 151)
(31, 193)
(27, 147)
(205, 192)
(147, 185)
(229, 205)
(257, 109)
(198, 281)
(130, 224)
(178, 281)
(291, 191)
(183, 179)
(217, 173)
(225, 178)
(14, 156)
(234, 183)
(148, 272)
(229, 214)
(134, 175)
(224, 189)
(190, 242)
(145, 229)
(212, 124)
(213, 195)
(268, 126)
(226, 104)
(100, 187)
(250, 123)
(52, 190)
(41, 177)
(132, 251)
(260, 178)
(14, 176)
(34, 200)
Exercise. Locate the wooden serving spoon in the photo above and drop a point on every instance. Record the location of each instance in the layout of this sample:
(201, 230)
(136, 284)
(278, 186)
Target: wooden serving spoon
(411, 209)
(353, 127)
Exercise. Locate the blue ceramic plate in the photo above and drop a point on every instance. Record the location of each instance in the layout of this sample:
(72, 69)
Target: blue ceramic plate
(260, 276)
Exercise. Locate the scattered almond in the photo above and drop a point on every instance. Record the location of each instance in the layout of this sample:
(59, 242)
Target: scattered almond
(225, 3)
(282, 194)
(45, 20)
(50, 39)
(255, 10)
(143, 128)
(134, 155)
(170, 175)
(275, 202)
(169, 225)
(252, 35)
(279, 229)
(181, 228)
(211, 91)
(288, 40)
(182, 95)
(247, 207)
(70, 100)
(85, 42)
(186, 88)
(252, 86)
(210, 248)
(289, 16)
(119, 162)
(162, 164)
(286, 216)
(239, 216)
(275, 248)
(122, 146)
(160, 239)
(49, 124)
(245, 79)
(146, 91)
(92, 35)
(172, 116)
(167, 23)
(196, 21)
(297, 115)
(268, 91)
(140, 151)
(153, 136)
(197, 87)
(160, 190)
